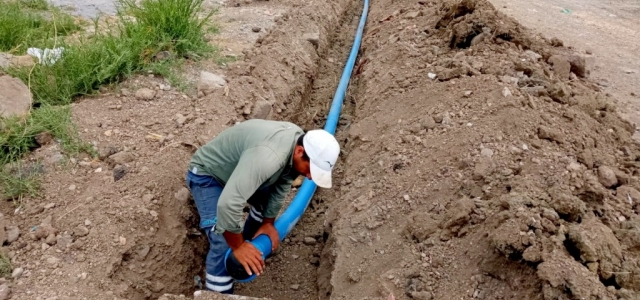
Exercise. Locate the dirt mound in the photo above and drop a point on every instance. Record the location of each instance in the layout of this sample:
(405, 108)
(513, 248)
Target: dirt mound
(480, 164)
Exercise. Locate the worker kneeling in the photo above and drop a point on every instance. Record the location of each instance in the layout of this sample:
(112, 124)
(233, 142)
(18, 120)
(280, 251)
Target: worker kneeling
(253, 162)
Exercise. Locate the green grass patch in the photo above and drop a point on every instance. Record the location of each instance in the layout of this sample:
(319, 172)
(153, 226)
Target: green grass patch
(22, 25)
(89, 61)
(15, 186)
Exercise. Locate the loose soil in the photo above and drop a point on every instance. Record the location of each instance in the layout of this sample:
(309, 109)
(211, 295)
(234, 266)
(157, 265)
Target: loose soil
(477, 162)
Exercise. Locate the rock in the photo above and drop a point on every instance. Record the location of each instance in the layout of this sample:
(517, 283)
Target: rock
(64, 240)
(625, 193)
(51, 240)
(547, 133)
(467, 94)
(421, 295)
(52, 260)
(81, 231)
(200, 121)
(295, 287)
(44, 138)
(261, 110)
(448, 74)
(144, 251)
(586, 158)
(209, 82)
(121, 158)
(581, 66)
(15, 98)
(429, 123)
(559, 93)
(8, 61)
(607, 176)
(532, 55)
(256, 29)
(561, 66)
(486, 152)
(479, 39)
(145, 94)
(535, 91)
(413, 14)
(182, 195)
(506, 92)
(13, 233)
(17, 272)
(483, 169)
(5, 291)
(106, 151)
(567, 206)
(119, 172)
(309, 241)
(313, 38)
(556, 42)
(180, 119)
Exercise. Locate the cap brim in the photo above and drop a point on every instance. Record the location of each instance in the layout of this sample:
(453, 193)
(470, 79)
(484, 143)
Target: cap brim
(321, 177)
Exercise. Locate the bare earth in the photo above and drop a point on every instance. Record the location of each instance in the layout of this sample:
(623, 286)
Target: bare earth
(481, 161)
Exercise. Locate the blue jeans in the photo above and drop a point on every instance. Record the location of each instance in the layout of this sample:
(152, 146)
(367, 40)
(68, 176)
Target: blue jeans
(206, 192)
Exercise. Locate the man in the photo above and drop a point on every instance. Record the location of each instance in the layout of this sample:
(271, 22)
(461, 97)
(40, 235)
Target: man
(253, 162)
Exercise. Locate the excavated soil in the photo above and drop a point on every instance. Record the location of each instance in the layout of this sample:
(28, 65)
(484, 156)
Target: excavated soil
(478, 163)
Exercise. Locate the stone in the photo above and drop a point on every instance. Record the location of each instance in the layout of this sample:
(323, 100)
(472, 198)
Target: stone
(467, 94)
(295, 287)
(413, 14)
(182, 195)
(13, 233)
(121, 158)
(506, 92)
(15, 98)
(81, 230)
(64, 240)
(429, 123)
(309, 241)
(551, 134)
(256, 29)
(448, 74)
(581, 66)
(52, 260)
(17, 272)
(559, 93)
(209, 82)
(5, 291)
(51, 239)
(561, 66)
(180, 119)
(607, 176)
(421, 295)
(486, 152)
(261, 110)
(145, 94)
(163, 55)
(533, 55)
(44, 138)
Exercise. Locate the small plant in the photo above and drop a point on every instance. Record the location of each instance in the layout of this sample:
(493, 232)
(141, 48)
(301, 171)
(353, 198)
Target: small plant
(22, 27)
(174, 22)
(15, 186)
(5, 265)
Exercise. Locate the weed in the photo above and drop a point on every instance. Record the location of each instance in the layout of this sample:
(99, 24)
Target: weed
(5, 265)
(22, 27)
(35, 4)
(14, 186)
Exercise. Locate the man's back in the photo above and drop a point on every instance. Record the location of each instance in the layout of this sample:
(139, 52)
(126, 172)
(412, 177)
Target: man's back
(219, 157)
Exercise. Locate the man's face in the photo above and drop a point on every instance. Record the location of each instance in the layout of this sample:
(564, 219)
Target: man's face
(300, 163)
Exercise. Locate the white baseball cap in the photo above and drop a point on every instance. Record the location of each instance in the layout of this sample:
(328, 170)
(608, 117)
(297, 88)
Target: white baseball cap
(323, 150)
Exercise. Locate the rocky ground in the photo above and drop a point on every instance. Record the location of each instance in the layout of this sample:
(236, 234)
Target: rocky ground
(480, 162)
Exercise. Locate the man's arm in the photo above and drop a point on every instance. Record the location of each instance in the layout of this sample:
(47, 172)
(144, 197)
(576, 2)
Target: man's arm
(256, 165)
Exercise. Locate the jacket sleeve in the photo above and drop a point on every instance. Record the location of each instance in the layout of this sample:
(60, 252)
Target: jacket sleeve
(276, 197)
(256, 165)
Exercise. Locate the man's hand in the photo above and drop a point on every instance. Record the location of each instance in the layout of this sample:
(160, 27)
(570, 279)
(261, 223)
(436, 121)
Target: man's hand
(247, 254)
(268, 229)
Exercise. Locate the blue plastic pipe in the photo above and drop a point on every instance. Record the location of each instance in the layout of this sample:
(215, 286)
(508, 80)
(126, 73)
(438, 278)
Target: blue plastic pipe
(285, 223)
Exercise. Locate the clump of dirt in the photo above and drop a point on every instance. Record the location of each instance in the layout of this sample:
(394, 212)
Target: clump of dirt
(477, 166)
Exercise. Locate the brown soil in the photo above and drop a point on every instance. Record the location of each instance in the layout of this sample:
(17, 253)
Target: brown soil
(504, 177)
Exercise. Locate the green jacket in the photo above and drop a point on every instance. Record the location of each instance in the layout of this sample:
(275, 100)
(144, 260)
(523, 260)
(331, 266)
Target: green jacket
(249, 156)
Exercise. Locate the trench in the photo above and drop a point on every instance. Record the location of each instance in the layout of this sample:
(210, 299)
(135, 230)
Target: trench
(297, 270)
